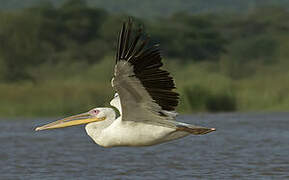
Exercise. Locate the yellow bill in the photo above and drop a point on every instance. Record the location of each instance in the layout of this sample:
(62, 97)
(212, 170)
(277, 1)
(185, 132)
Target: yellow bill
(83, 118)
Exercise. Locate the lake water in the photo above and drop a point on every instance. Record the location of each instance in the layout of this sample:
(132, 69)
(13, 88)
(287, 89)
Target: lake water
(245, 146)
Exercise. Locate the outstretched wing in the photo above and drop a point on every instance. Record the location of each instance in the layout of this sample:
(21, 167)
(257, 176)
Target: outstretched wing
(145, 91)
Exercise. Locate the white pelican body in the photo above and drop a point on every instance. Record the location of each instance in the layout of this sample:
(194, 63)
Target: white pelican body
(121, 133)
(145, 100)
(130, 133)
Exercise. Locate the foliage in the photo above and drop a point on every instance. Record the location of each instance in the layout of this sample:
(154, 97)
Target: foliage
(202, 99)
(59, 59)
(158, 8)
(189, 37)
(77, 32)
(19, 45)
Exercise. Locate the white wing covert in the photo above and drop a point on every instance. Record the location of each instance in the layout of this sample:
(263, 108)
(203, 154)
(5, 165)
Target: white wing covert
(145, 91)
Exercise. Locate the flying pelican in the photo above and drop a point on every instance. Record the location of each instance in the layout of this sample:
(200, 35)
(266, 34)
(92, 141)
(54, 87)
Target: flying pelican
(144, 98)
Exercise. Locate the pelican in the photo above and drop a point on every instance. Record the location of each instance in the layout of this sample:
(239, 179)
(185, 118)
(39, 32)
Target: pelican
(144, 98)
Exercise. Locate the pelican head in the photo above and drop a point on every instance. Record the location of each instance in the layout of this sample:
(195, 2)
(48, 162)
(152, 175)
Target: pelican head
(94, 115)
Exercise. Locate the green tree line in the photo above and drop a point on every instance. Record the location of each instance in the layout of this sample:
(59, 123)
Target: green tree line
(158, 8)
(215, 57)
(77, 32)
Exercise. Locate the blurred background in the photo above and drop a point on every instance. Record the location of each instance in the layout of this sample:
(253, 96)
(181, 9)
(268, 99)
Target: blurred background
(57, 56)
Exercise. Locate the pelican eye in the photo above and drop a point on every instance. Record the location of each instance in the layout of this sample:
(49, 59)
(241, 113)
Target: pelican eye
(94, 112)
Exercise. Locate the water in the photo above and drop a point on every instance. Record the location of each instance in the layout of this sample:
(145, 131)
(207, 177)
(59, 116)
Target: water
(245, 146)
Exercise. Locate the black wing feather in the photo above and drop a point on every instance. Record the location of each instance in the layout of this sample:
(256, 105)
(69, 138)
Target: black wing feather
(146, 62)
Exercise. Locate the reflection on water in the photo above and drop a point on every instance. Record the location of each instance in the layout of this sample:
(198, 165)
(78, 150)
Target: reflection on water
(245, 146)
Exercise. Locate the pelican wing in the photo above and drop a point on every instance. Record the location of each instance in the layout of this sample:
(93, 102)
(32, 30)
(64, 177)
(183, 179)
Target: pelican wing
(145, 91)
